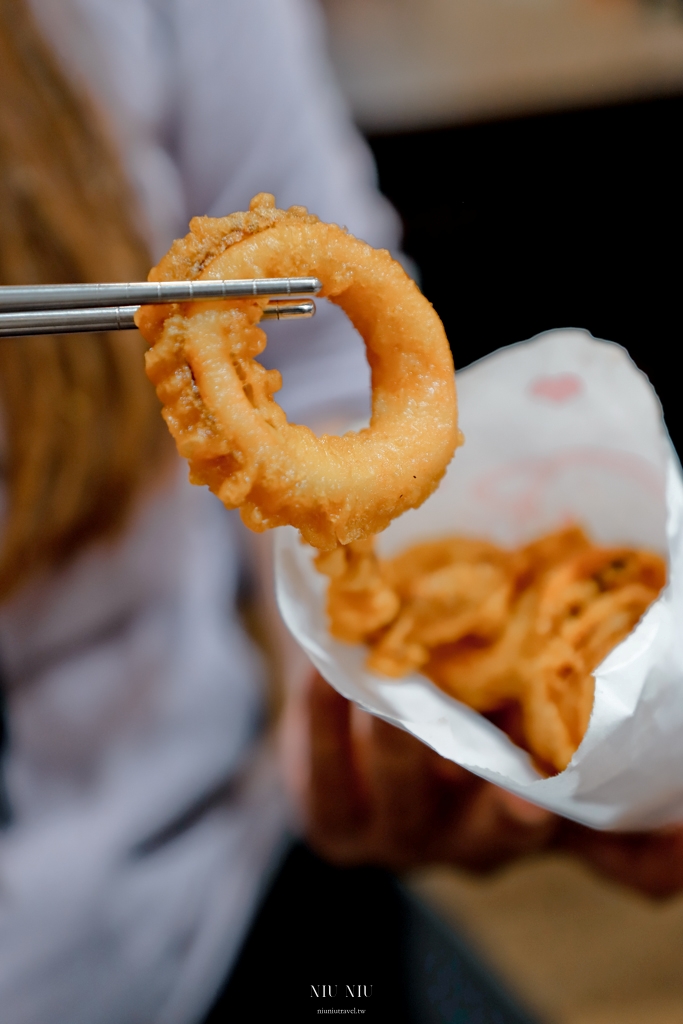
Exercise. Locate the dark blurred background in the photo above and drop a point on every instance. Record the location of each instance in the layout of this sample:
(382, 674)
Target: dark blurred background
(532, 148)
(572, 219)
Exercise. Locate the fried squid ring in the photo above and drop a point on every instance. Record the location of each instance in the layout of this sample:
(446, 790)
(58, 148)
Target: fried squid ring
(218, 400)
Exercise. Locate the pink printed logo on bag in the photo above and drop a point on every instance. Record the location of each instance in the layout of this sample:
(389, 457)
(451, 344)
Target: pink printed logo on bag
(557, 388)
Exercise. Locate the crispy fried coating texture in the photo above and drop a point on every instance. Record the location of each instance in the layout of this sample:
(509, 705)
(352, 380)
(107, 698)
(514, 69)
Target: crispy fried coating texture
(218, 400)
(500, 630)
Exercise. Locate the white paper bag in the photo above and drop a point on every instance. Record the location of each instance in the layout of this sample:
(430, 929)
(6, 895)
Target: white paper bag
(559, 428)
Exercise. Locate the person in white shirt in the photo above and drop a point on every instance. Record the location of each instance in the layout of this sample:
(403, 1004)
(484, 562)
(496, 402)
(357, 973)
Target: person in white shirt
(144, 810)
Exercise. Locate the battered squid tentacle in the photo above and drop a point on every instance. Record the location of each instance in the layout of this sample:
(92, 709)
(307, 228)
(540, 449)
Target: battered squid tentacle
(516, 634)
(218, 400)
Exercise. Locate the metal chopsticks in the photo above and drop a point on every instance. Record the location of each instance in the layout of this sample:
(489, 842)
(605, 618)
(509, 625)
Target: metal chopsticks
(115, 318)
(72, 308)
(22, 298)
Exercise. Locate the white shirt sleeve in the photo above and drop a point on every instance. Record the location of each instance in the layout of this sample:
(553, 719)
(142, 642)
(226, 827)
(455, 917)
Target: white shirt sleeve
(132, 692)
(212, 101)
(259, 111)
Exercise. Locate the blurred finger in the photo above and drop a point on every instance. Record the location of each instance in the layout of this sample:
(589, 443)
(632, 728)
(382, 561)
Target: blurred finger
(496, 827)
(404, 793)
(336, 802)
(449, 771)
(649, 862)
(521, 811)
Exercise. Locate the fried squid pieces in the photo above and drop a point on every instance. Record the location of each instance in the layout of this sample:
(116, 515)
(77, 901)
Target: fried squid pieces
(515, 634)
(218, 399)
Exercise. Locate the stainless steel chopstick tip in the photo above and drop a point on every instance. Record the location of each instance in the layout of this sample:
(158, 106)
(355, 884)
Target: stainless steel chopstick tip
(300, 310)
(117, 318)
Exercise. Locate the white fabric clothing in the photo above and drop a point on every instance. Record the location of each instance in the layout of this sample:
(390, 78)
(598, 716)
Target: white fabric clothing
(145, 814)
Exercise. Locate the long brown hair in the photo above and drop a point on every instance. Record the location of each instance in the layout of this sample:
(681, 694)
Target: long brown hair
(81, 422)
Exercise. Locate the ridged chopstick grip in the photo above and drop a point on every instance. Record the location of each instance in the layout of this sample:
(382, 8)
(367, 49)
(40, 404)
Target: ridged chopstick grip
(49, 297)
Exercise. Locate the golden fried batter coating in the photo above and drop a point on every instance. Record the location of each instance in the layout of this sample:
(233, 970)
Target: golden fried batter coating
(501, 629)
(218, 400)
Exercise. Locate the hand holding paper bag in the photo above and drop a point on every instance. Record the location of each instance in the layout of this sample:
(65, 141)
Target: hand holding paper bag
(377, 795)
(560, 428)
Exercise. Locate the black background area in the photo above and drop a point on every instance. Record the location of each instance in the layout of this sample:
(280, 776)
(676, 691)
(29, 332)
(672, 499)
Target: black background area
(323, 925)
(566, 220)
(320, 926)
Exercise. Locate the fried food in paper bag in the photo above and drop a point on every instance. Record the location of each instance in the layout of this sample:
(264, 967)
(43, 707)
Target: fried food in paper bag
(515, 634)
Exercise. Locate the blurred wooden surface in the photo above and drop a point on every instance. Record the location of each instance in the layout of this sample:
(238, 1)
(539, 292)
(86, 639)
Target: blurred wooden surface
(577, 950)
(406, 64)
